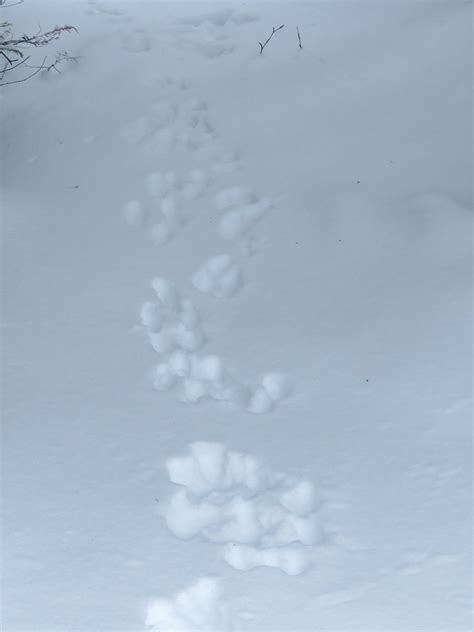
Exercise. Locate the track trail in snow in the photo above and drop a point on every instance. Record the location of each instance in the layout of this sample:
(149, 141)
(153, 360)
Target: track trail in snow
(253, 516)
(258, 517)
(166, 206)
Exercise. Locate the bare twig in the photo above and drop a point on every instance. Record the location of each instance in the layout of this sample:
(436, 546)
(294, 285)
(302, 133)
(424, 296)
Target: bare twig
(299, 38)
(8, 68)
(262, 46)
(10, 61)
(41, 39)
(60, 57)
(39, 69)
(10, 46)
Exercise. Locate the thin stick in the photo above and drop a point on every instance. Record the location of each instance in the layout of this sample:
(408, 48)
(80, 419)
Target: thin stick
(262, 46)
(9, 83)
(299, 38)
(7, 68)
(10, 61)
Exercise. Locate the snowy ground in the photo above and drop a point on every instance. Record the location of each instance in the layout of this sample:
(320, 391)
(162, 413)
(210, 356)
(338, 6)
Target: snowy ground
(236, 320)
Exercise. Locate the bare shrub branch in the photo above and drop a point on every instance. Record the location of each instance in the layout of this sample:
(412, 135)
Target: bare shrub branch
(9, 83)
(40, 39)
(12, 49)
(262, 46)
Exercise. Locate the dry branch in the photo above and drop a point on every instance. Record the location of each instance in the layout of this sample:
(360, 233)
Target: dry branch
(262, 46)
(11, 49)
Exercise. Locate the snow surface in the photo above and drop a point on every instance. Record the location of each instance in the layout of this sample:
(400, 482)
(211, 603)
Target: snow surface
(237, 292)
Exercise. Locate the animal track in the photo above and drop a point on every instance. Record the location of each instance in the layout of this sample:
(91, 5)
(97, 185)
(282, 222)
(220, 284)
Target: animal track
(219, 276)
(214, 30)
(171, 323)
(171, 126)
(199, 607)
(168, 196)
(273, 388)
(291, 560)
(216, 18)
(264, 518)
(238, 222)
(173, 328)
(241, 208)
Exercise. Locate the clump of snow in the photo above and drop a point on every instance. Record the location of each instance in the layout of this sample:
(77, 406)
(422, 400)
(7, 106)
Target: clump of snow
(166, 292)
(219, 276)
(291, 560)
(163, 378)
(260, 401)
(238, 222)
(194, 390)
(199, 608)
(273, 388)
(277, 385)
(229, 497)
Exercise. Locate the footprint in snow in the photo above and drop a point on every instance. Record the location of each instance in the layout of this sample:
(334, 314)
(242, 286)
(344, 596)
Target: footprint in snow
(219, 276)
(173, 328)
(259, 517)
(201, 606)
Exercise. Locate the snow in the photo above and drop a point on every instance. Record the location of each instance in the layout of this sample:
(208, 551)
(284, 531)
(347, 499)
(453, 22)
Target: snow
(230, 498)
(237, 297)
(277, 385)
(219, 276)
(199, 607)
(133, 213)
(161, 232)
(239, 221)
(290, 560)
